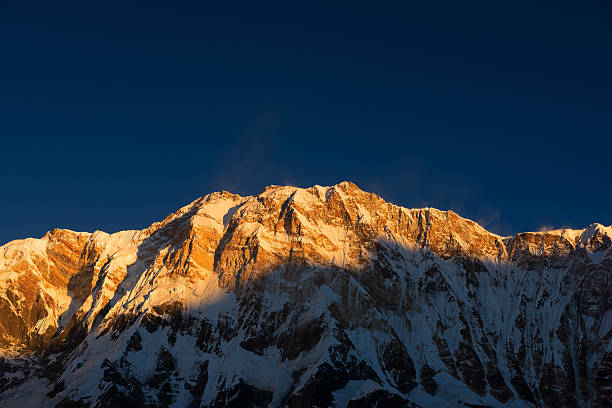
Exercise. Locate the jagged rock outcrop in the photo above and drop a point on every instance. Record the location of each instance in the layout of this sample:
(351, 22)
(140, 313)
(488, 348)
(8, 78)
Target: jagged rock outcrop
(326, 296)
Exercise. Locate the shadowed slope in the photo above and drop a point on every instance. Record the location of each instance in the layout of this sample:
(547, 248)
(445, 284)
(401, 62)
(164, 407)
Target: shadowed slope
(308, 297)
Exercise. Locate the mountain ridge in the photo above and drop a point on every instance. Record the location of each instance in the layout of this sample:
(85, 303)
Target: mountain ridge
(553, 231)
(227, 272)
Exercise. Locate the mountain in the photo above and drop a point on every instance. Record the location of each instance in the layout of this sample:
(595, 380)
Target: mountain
(325, 296)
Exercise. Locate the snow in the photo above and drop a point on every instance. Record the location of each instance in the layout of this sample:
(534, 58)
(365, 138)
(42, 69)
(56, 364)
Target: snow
(131, 283)
(354, 390)
(577, 236)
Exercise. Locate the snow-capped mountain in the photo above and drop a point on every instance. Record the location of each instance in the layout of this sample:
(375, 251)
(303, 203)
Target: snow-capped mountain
(325, 296)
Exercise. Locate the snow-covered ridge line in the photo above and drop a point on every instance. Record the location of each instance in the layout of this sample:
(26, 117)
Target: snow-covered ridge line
(324, 296)
(573, 235)
(576, 235)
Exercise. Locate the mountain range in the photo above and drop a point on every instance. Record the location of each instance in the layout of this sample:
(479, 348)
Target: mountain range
(316, 297)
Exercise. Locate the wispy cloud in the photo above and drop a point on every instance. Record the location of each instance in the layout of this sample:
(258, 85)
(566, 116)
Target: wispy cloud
(491, 217)
(248, 163)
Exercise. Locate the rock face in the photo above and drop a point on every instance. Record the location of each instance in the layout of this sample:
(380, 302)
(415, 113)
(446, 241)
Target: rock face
(326, 296)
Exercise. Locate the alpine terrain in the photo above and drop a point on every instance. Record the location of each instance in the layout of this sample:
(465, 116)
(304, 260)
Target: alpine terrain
(317, 297)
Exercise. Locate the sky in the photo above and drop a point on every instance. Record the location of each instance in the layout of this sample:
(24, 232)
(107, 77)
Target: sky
(115, 114)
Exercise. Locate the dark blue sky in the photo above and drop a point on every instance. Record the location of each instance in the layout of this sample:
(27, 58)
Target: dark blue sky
(114, 115)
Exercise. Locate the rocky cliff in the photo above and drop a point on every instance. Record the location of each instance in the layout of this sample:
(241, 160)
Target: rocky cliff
(326, 296)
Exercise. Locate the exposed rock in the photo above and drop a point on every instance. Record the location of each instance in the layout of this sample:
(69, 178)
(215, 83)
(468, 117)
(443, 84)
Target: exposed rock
(242, 395)
(307, 297)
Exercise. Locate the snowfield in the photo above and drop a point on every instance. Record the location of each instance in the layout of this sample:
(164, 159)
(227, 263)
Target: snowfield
(326, 296)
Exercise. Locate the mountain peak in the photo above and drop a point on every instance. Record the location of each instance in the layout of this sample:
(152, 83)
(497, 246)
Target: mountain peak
(340, 297)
